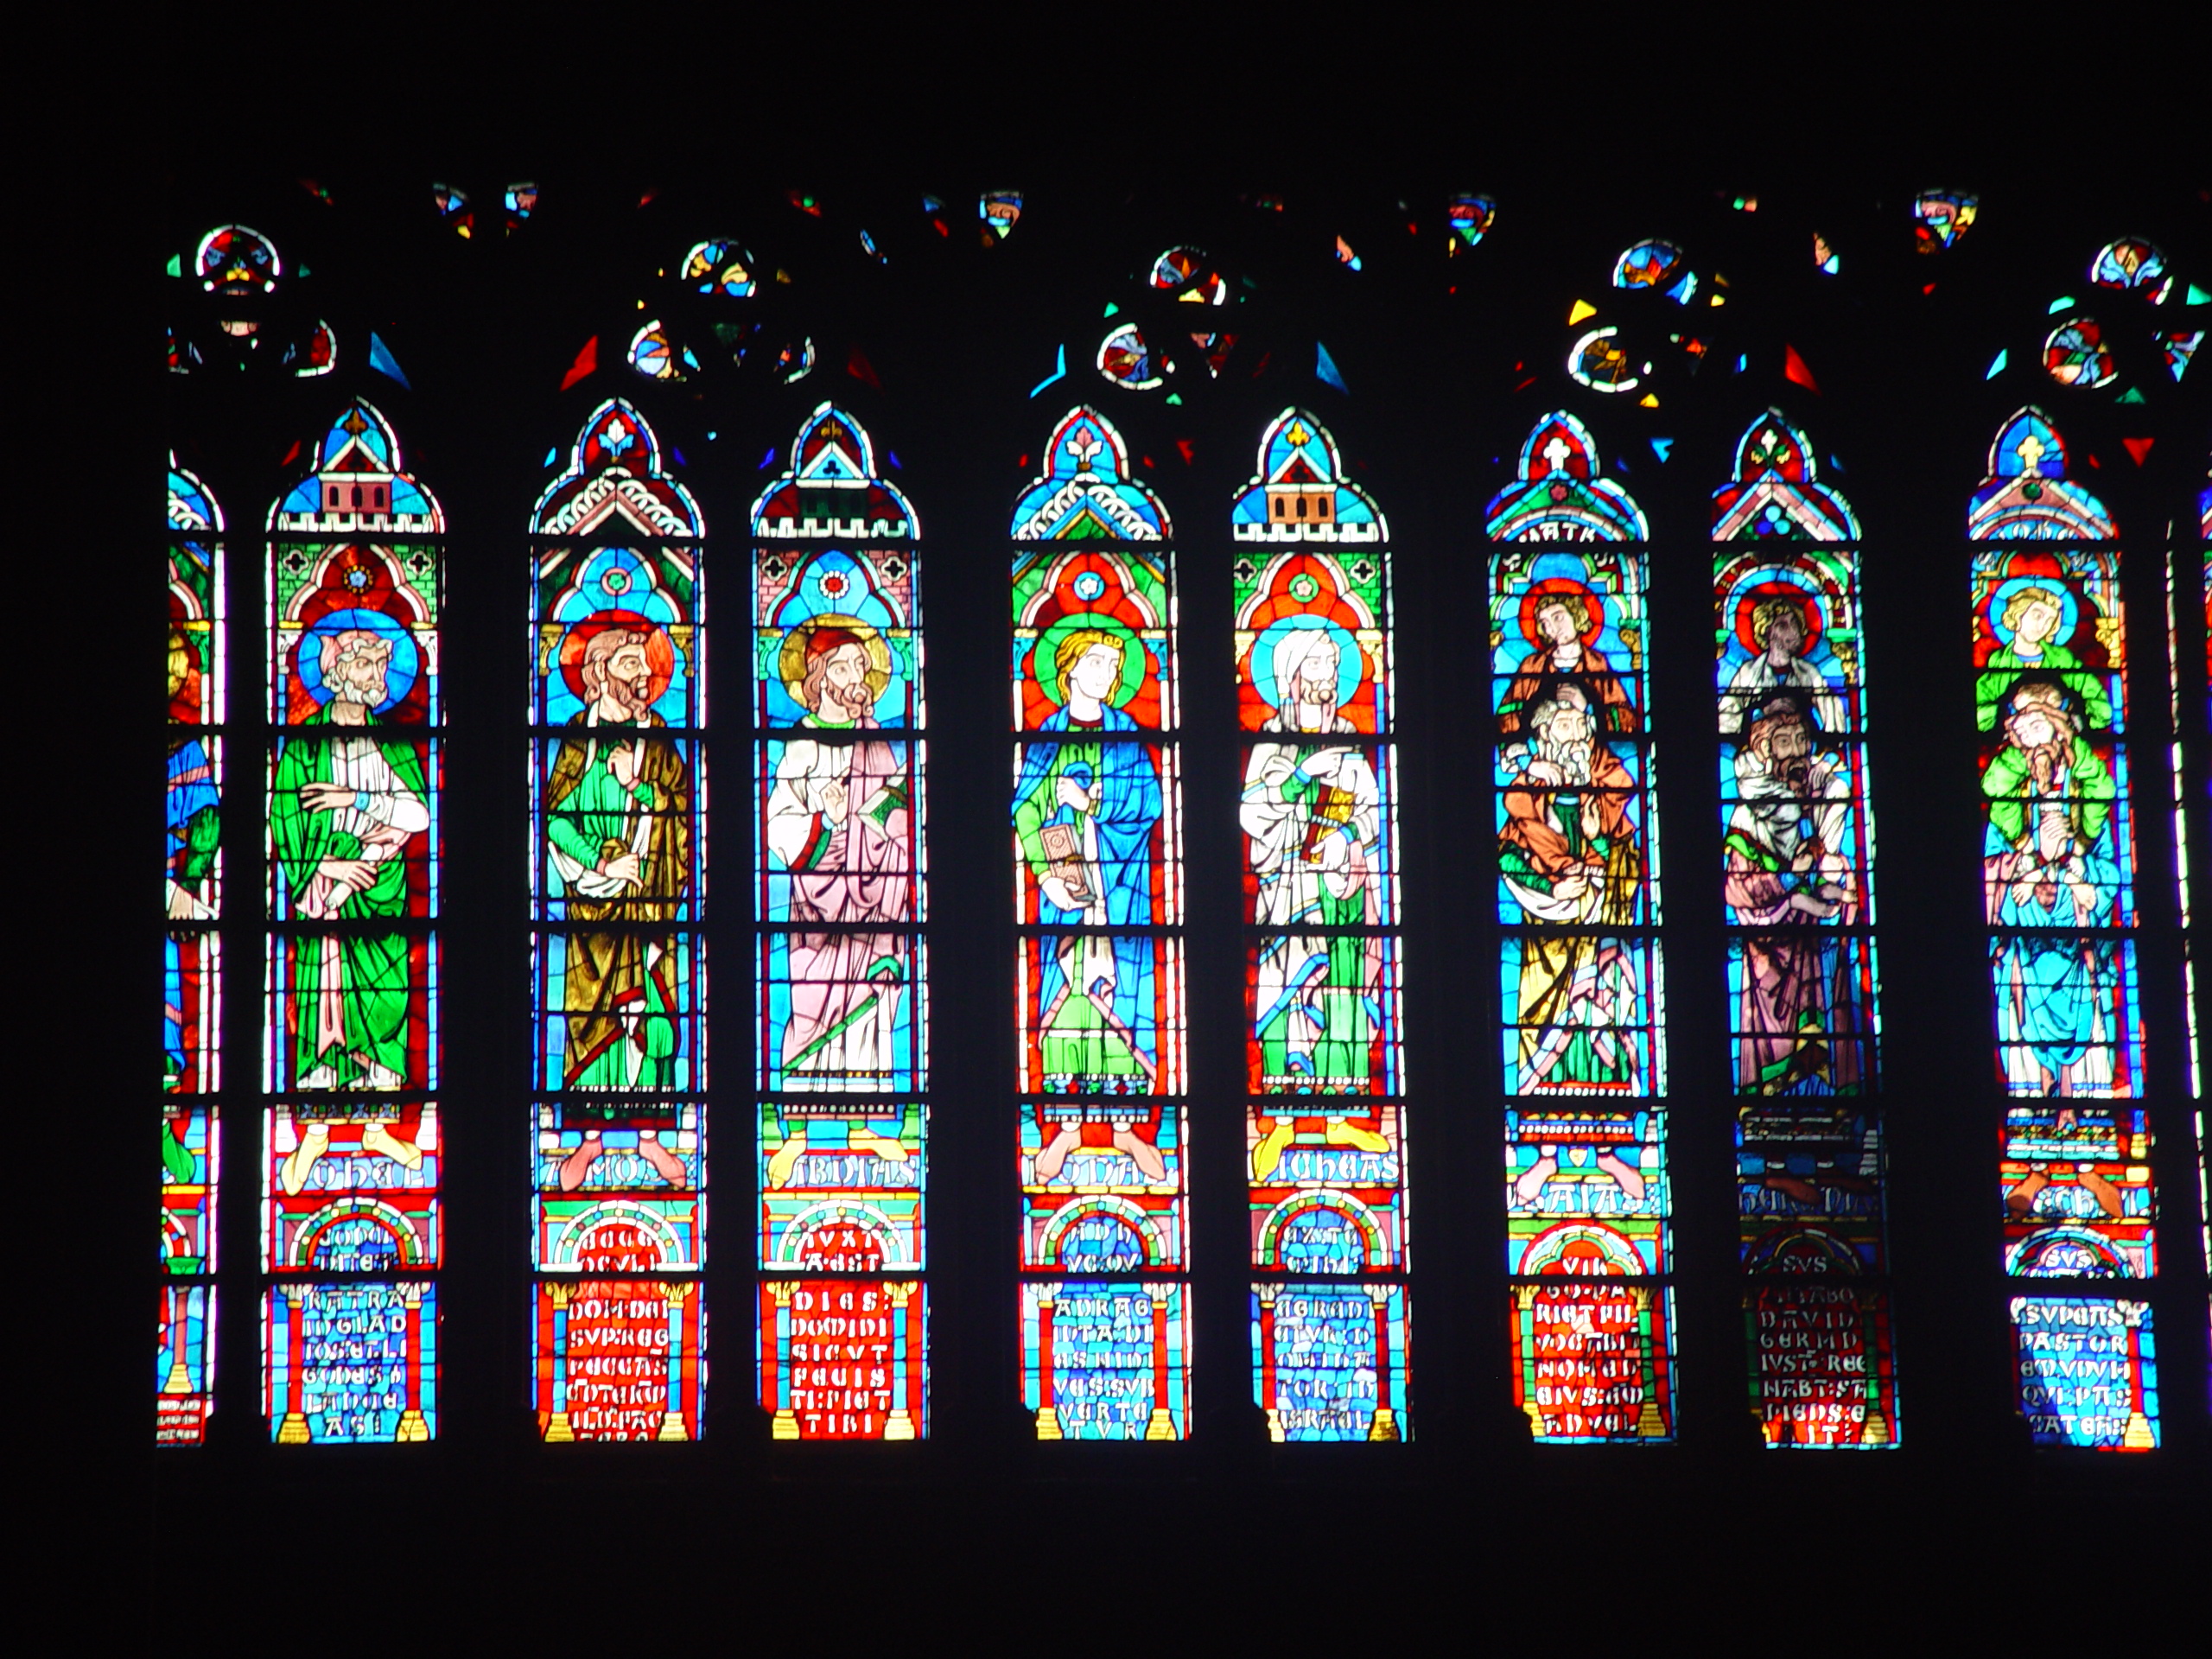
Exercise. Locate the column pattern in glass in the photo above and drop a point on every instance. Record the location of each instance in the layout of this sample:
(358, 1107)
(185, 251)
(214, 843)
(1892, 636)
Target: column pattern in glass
(1096, 815)
(1324, 1131)
(617, 858)
(192, 977)
(1798, 884)
(2074, 1181)
(841, 980)
(352, 1230)
(1588, 1207)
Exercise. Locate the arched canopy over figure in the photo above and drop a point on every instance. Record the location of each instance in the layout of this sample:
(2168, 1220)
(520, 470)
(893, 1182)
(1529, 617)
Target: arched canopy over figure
(1559, 495)
(614, 483)
(1300, 493)
(833, 489)
(1775, 493)
(358, 486)
(2028, 495)
(1086, 492)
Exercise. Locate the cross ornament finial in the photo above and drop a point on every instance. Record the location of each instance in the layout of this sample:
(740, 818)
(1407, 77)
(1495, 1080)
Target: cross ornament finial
(1556, 452)
(2029, 450)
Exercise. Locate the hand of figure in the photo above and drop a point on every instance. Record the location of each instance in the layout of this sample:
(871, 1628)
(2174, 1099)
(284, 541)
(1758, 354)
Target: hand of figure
(1072, 794)
(1056, 892)
(625, 763)
(1593, 818)
(353, 874)
(183, 906)
(1545, 771)
(1813, 905)
(624, 866)
(833, 799)
(1804, 860)
(325, 798)
(1570, 887)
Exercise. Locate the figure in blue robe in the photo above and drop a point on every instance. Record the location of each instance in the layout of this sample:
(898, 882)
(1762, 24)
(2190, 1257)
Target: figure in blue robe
(1096, 1029)
(2053, 874)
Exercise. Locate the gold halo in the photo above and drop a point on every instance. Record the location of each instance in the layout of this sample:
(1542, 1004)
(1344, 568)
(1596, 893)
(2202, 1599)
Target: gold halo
(790, 660)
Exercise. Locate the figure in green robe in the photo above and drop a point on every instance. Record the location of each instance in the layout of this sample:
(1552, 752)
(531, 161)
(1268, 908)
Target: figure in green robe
(618, 808)
(2033, 617)
(342, 810)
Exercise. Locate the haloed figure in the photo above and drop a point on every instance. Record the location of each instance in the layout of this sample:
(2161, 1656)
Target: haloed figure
(1085, 808)
(1312, 816)
(1561, 619)
(1779, 630)
(1569, 856)
(840, 821)
(618, 828)
(343, 808)
(1787, 871)
(2051, 872)
(2034, 617)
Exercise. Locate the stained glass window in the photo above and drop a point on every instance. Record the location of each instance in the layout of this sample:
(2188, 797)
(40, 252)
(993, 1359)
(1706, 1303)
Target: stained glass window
(2058, 852)
(2196, 1056)
(404, 974)
(617, 860)
(1096, 815)
(1798, 891)
(841, 984)
(1324, 1129)
(352, 1232)
(192, 1000)
(1583, 1057)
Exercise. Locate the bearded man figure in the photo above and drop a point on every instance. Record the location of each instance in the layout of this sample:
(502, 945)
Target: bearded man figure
(343, 806)
(1568, 854)
(840, 821)
(2050, 868)
(1312, 815)
(1786, 870)
(618, 831)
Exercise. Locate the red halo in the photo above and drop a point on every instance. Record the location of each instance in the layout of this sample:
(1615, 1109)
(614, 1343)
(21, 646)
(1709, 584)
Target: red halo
(660, 651)
(1592, 606)
(1808, 607)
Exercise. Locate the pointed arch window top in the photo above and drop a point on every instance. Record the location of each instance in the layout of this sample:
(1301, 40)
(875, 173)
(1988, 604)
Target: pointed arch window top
(358, 486)
(1559, 496)
(1085, 492)
(832, 489)
(614, 478)
(191, 506)
(1300, 493)
(1775, 494)
(2027, 495)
